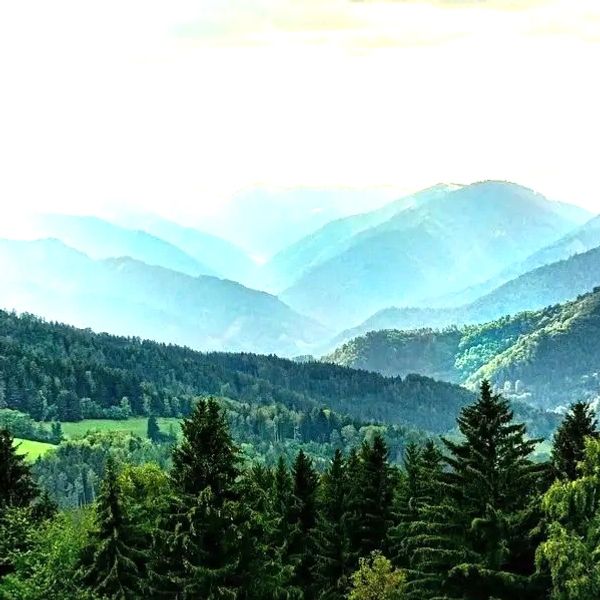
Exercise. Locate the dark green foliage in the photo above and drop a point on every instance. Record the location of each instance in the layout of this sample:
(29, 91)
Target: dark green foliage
(217, 526)
(207, 456)
(302, 522)
(418, 488)
(480, 532)
(332, 568)
(87, 375)
(17, 487)
(201, 544)
(112, 566)
(371, 497)
(568, 449)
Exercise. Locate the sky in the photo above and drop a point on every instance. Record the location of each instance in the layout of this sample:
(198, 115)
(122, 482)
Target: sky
(176, 107)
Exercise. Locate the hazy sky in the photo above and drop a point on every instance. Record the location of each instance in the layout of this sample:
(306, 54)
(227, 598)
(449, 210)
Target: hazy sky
(176, 105)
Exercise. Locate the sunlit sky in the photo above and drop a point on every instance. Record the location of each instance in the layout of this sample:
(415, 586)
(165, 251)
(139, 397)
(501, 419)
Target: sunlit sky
(175, 106)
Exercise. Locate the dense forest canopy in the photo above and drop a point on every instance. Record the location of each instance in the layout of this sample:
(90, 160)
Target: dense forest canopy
(472, 519)
(546, 357)
(56, 372)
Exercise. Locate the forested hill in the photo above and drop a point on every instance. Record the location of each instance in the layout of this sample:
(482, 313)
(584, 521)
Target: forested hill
(50, 370)
(550, 356)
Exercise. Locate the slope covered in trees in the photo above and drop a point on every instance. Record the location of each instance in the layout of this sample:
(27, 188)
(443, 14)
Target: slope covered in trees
(549, 356)
(57, 371)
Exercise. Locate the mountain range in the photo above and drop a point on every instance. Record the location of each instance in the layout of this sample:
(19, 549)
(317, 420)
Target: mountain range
(544, 286)
(436, 243)
(447, 255)
(130, 297)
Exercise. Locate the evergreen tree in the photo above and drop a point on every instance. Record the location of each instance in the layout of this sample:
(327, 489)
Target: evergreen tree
(153, 430)
(198, 554)
(260, 572)
(207, 456)
(569, 440)
(303, 519)
(371, 497)
(282, 504)
(110, 561)
(16, 484)
(480, 534)
(332, 568)
(418, 488)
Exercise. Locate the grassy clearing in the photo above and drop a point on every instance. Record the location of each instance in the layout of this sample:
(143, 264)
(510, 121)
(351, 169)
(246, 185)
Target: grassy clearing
(135, 425)
(32, 449)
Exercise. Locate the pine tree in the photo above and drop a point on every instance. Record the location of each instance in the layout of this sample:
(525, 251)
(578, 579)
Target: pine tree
(16, 484)
(332, 568)
(480, 532)
(569, 440)
(371, 497)
(418, 488)
(207, 456)
(282, 504)
(303, 519)
(110, 561)
(200, 548)
(260, 572)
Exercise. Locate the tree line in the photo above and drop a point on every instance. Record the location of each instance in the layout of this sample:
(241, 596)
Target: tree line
(471, 518)
(55, 372)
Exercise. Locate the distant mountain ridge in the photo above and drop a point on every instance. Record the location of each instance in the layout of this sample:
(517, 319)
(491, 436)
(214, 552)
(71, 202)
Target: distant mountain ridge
(454, 238)
(129, 297)
(334, 237)
(551, 284)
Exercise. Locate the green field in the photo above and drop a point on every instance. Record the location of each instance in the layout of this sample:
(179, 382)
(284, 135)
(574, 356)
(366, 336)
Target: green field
(136, 425)
(32, 449)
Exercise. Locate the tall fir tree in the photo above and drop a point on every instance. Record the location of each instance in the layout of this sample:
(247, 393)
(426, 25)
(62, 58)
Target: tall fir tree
(477, 542)
(282, 488)
(111, 563)
(333, 567)
(417, 489)
(372, 481)
(17, 487)
(303, 520)
(207, 456)
(568, 447)
(197, 554)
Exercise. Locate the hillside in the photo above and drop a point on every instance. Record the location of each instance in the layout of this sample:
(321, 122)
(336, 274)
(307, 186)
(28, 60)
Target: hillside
(288, 265)
(581, 240)
(549, 357)
(457, 239)
(551, 284)
(221, 256)
(132, 298)
(71, 372)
